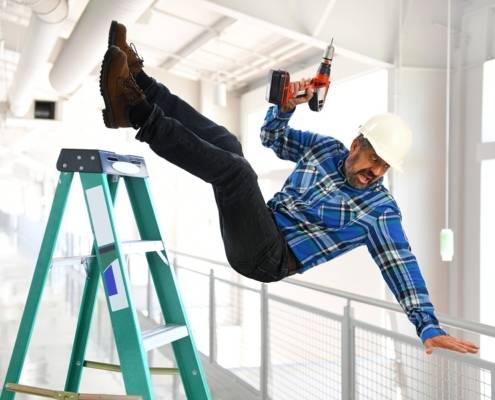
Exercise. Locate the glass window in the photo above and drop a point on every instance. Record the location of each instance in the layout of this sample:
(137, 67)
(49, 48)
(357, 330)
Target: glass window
(487, 253)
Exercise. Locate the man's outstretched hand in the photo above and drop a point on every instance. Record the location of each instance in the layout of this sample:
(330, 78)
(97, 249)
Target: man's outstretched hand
(450, 343)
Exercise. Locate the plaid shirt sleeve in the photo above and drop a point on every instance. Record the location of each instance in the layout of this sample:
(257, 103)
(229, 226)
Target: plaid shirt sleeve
(389, 247)
(287, 143)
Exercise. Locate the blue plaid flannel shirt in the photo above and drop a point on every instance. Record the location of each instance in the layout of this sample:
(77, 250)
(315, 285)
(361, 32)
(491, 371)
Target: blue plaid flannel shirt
(322, 217)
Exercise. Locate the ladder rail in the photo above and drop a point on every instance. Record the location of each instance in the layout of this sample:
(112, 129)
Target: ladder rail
(38, 283)
(86, 310)
(169, 297)
(123, 316)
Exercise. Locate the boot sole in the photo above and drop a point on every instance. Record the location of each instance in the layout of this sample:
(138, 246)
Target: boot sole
(108, 118)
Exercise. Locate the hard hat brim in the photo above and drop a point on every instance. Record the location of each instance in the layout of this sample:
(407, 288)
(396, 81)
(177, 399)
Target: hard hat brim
(384, 156)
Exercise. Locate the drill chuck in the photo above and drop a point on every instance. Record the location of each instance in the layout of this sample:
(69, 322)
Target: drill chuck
(329, 51)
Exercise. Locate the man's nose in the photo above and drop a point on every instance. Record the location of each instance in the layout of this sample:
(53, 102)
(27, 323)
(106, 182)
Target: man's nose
(378, 170)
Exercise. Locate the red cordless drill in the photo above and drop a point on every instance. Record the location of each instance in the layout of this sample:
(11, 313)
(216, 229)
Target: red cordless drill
(279, 90)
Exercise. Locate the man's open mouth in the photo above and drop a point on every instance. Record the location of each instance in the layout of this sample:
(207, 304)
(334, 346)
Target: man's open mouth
(364, 179)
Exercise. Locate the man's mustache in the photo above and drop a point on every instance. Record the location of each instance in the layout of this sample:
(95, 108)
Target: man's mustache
(367, 173)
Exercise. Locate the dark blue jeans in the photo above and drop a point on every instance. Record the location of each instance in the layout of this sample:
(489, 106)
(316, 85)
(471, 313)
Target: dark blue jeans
(175, 131)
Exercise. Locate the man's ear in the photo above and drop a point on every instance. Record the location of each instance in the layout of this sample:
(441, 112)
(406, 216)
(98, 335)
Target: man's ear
(354, 145)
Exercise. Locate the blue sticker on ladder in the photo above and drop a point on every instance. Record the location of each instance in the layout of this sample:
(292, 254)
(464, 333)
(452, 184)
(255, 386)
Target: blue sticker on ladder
(114, 283)
(110, 283)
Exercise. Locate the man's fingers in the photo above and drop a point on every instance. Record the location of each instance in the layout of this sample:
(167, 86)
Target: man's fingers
(428, 347)
(296, 87)
(300, 86)
(309, 93)
(453, 346)
(472, 348)
(464, 345)
(469, 344)
(450, 343)
(459, 348)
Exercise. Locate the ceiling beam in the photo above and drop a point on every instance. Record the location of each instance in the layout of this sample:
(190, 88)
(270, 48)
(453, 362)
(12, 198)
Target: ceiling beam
(220, 40)
(200, 40)
(279, 17)
(324, 17)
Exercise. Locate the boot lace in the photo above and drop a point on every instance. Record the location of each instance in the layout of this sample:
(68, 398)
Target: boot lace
(131, 90)
(132, 49)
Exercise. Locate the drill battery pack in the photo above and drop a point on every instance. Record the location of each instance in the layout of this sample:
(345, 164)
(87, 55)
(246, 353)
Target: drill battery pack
(277, 89)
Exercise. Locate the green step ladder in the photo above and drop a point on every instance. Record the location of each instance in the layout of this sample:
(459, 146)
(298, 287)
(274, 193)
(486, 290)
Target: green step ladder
(100, 173)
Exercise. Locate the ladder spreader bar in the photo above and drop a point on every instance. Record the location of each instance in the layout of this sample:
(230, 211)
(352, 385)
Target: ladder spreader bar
(61, 395)
(116, 368)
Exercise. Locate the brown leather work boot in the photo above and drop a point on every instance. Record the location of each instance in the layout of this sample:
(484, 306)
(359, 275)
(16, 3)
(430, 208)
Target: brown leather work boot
(117, 37)
(118, 88)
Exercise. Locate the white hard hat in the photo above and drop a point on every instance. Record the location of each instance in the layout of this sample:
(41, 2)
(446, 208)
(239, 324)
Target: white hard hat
(390, 137)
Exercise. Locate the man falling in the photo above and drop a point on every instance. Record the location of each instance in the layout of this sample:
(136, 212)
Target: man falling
(332, 202)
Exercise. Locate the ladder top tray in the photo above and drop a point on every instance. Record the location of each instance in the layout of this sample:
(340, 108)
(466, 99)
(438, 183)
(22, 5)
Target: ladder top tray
(101, 161)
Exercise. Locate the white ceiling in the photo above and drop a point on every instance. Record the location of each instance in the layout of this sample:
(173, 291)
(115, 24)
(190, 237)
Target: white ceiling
(237, 42)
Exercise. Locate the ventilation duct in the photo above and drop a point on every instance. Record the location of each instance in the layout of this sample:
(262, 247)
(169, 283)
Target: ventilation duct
(86, 45)
(46, 20)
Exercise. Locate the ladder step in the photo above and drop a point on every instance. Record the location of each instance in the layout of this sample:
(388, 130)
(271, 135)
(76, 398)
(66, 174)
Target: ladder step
(163, 335)
(58, 394)
(128, 247)
(142, 246)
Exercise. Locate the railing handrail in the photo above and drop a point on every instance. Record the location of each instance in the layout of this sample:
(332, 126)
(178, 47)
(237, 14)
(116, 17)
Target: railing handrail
(446, 319)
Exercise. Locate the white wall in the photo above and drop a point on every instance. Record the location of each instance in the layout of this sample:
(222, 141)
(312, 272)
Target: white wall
(420, 190)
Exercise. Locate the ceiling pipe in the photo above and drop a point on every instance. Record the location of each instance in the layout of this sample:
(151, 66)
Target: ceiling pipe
(88, 41)
(44, 26)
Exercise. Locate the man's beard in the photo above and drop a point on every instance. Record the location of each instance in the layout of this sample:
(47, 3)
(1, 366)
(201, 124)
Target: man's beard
(360, 179)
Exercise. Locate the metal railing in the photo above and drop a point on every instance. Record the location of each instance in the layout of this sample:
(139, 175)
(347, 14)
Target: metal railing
(288, 349)
(307, 352)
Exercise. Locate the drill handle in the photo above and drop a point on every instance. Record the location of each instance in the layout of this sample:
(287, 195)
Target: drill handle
(302, 91)
(317, 102)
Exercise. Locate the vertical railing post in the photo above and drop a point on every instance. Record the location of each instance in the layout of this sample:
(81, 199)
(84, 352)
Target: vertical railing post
(492, 376)
(347, 347)
(149, 298)
(175, 266)
(128, 263)
(213, 319)
(265, 343)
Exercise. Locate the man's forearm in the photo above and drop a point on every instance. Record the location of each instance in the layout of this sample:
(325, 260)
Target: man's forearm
(391, 251)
